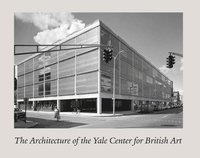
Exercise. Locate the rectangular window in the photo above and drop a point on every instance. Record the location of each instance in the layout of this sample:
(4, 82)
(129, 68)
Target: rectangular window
(41, 77)
(47, 88)
(40, 89)
(48, 76)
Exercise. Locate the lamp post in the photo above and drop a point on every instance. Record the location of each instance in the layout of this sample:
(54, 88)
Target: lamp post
(114, 80)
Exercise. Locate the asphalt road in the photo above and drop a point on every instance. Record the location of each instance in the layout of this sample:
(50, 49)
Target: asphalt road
(172, 118)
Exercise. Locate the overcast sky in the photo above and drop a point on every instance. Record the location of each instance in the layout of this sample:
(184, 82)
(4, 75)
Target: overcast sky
(152, 34)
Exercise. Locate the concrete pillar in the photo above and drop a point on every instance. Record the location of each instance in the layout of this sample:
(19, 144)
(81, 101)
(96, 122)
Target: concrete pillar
(17, 106)
(132, 105)
(99, 105)
(58, 104)
(34, 104)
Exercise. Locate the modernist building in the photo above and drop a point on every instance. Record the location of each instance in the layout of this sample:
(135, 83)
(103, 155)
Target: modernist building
(64, 78)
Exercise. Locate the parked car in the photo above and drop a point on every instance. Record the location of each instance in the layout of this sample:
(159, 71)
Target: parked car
(18, 113)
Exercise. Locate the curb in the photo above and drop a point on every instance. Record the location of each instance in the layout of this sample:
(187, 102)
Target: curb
(28, 124)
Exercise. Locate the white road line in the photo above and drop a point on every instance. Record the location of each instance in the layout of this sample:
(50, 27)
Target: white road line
(164, 116)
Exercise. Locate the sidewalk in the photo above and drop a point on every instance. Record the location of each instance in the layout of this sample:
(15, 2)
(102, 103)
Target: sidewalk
(85, 114)
(22, 124)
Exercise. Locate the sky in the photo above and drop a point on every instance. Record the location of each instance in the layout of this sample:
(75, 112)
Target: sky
(153, 35)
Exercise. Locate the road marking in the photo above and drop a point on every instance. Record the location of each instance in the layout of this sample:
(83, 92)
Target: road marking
(164, 116)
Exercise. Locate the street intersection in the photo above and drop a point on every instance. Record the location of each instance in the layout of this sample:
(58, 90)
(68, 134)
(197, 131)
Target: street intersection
(171, 118)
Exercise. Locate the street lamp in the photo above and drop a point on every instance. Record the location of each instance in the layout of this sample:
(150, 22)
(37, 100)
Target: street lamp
(114, 80)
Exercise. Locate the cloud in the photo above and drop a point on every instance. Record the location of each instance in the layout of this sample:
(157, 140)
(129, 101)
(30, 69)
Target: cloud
(164, 69)
(53, 35)
(53, 26)
(45, 21)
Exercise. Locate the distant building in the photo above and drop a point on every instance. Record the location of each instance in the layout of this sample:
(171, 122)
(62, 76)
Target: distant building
(176, 98)
(80, 77)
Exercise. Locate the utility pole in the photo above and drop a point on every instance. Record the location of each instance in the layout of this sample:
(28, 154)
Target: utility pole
(114, 80)
(177, 54)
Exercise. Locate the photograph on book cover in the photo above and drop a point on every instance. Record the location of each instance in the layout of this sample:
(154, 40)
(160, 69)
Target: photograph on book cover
(98, 70)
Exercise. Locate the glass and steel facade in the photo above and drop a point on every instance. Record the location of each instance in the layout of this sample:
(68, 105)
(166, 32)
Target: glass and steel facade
(65, 77)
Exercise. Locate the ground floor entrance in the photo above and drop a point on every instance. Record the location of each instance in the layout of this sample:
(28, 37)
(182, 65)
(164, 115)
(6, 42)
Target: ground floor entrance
(79, 105)
(94, 105)
(47, 105)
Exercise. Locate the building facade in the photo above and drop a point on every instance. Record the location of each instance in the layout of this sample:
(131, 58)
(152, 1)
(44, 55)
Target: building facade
(176, 99)
(80, 77)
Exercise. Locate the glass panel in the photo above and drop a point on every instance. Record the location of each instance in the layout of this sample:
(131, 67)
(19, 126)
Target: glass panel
(67, 67)
(87, 83)
(92, 36)
(66, 54)
(81, 39)
(124, 54)
(39, 61)
(29, 66)
(41, 78)
(40, 89)
(87, 62)
(20, 92)
(66, 86)
(29, 91)
(106, 83)
(124, 69)
(20, 69)
(20, 81)
(105, 37)
(50, 58)
(47, 88)
(51, 72)
(48, 76)
(29, 79)
(52, 87)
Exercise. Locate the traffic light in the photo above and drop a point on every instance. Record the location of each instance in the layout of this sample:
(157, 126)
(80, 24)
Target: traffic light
(170, 61)
(110, 54)
(107, 55)
(173, 60)
(15, 84)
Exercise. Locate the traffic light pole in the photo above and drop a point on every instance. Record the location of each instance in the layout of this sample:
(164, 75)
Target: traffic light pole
(114, 80)
(73, 46)
(171, 59)
(177, 54)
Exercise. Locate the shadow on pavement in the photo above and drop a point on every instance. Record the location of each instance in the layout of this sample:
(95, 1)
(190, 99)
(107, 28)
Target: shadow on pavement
(166, 111)
(169, 111)
(43, 123)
